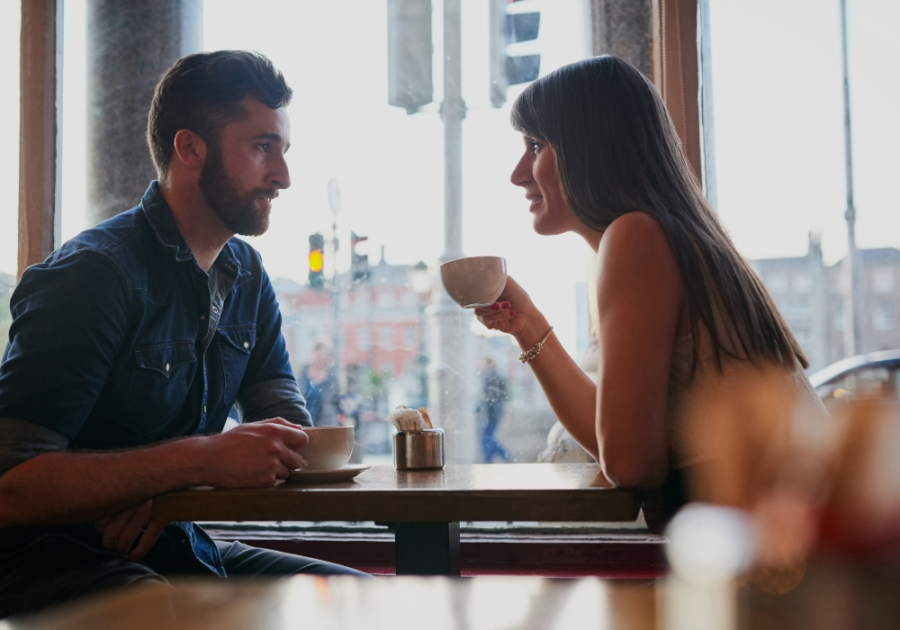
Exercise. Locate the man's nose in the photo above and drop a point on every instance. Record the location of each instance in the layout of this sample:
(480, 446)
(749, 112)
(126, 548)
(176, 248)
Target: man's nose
(281, 176)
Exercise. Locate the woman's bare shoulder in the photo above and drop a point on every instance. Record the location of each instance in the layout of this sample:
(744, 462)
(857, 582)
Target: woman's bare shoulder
(635, 225)
(634, 259)
(636, 234)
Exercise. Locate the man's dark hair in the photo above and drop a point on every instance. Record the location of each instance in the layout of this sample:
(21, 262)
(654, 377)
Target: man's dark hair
(202, 93)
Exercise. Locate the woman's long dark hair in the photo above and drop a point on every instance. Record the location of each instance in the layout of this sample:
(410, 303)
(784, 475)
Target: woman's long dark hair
(617, 152)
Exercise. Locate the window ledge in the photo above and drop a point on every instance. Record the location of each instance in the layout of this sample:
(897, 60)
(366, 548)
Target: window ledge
(607, 553)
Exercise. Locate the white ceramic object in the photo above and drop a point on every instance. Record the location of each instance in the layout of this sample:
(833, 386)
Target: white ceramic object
(475, 281)
(329, 448)
(327, 476)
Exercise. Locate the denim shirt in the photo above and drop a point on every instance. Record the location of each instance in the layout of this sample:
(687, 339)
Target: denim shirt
(118, 340)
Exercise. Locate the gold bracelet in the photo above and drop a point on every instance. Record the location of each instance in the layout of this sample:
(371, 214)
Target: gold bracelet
(533, 351)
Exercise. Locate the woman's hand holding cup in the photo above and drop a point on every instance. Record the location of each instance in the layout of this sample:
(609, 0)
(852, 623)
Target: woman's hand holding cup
(510, 313)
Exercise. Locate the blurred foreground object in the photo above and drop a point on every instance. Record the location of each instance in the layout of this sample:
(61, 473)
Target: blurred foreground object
(813, 537)
(851, 529)
(862, 511)
(303, 602)
(709, 547)
(756, 432)
(829, 489)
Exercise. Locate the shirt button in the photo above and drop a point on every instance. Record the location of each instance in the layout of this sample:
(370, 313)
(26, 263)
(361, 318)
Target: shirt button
(246, 344)
(204, 408)
(215, 309)
(203, 318)
(168, 367)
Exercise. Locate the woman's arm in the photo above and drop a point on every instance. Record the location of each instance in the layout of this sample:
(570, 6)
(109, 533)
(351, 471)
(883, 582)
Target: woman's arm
(641, 300)
(621, 422)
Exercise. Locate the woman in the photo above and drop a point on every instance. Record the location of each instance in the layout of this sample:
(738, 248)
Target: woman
(696, 365)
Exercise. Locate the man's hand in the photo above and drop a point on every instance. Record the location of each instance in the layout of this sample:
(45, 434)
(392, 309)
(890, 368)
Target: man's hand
(120, 531)
(254, 455)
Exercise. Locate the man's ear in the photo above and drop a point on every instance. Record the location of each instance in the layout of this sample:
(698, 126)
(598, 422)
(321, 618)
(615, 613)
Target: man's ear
(190, 149)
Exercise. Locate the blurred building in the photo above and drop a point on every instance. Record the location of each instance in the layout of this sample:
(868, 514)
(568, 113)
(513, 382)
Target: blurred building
(881, 302)
(810, 295)
(376, 328)
(800, 287)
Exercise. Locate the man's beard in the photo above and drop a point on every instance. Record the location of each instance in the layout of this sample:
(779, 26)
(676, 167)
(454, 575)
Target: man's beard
(236, 209)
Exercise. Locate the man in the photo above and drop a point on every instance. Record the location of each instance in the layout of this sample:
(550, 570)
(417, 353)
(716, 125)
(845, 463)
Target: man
(130, 344)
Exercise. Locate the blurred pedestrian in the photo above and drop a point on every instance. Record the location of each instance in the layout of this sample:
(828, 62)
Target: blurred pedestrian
(493, 398)
(319, 385)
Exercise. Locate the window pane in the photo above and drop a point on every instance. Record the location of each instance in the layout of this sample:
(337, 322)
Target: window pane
(10, 15)
(780, 159)
(883, 279)
(74, 116)
(883, 317)
(389, 166)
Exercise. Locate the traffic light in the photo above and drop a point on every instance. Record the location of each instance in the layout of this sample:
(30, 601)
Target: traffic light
(316, 260)
(410, 50)
(359, 260)
(515, 26)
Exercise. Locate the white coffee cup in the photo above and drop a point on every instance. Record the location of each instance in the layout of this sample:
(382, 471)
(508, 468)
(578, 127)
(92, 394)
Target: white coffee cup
(475, 281)
(329, 448)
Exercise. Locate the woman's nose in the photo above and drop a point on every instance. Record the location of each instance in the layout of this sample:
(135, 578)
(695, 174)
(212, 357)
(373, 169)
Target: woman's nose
(521, 174)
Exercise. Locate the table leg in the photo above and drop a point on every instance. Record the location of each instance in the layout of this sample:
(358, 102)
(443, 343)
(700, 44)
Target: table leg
(427, 548)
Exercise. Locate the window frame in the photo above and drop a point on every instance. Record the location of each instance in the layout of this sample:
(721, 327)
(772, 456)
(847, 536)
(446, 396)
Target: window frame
(40, 131)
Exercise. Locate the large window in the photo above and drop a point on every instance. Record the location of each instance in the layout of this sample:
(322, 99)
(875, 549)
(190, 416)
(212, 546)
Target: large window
(778, 157)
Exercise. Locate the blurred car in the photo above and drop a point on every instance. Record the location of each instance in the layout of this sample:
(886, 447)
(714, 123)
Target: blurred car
(875, 373)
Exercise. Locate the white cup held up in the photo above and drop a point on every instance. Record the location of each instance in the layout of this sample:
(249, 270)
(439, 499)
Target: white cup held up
(476, 281)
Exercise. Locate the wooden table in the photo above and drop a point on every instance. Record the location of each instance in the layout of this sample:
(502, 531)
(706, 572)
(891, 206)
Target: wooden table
(424, 508)
(335, 603)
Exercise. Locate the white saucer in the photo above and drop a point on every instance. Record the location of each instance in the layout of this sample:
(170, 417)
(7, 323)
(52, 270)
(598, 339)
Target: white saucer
(326, 476)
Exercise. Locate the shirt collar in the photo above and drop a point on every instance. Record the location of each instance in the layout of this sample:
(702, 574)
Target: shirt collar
(159, 215)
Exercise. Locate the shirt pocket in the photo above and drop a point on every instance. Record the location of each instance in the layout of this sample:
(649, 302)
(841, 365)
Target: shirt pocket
(236, 343)
(162, 375)
(166, 359)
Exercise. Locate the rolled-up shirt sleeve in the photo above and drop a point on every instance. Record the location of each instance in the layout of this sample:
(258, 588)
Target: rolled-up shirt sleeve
(21, 440)
(276, 398)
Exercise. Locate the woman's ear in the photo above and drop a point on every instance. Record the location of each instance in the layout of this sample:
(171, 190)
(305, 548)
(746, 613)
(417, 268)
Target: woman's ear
(190, 149)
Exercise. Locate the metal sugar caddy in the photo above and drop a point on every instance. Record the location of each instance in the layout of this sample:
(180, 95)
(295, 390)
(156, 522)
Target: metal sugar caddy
(419, 450)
